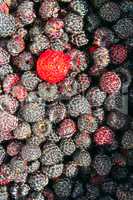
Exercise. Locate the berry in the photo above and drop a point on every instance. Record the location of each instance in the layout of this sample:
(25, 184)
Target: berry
(110, 12)
(124, 28)
(47, 91)
(30, 152)
(95, 97)
(68, 88)
(30, 80)
(9, 82)
(78, 105)
(83, 82)
(88, 123)
(102, 164)
(5, 70)
(101, 57)
(127, 140)
(54, 28)
(8, 122)
(32, 112)
(118, 54)
(83, 140)
(7, 25)
(67, 128)
(77, 190)
(49, 9)
(16, 45)
(51, 154)
(99, 114)
(110, 82)
(53, 171)
(39, 44)
(79, 39)
(82, 158)
(92, 192)
(24, 61)
(103, 135)
(51, 70)
(79, 6)
(13, 148)
(113, 102)
(67, 146)
(63, 187)
(38, 181)
(71, 170)
(23, 131)
(19, 92)
(73, 23)
(56, 112)
(4, 56)
(25, 12)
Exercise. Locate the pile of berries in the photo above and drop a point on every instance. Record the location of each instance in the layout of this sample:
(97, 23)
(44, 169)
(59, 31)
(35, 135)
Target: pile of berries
(64, 77)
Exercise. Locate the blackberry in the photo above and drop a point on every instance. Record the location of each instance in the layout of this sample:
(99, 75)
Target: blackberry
(87, 123)
(8, 122)
(25, 12)
(47, 91)
(92, 22)
(116, 120)
(101, 57)
(42, 128)
(78, 105)
(79, 6)
(30, 80)
(33, 166)
(49, 9)
(40, 43)
(38, 181)
(67, 146)
(92, 192)
(82, 158)
(53, 137)
(68, 88)
(83, 140)
(23, 131)
(113, 102)
(33, 112)
(79, 39)
(2, 154)
(78, 190)
(51, 154)
(109, 186)
(99, 114)
(127, 7)
(67, 128)
(95, 97)
(5, 70)
(118, 54)
(30, 152)
(13, 148)
(53, 171)
(63, 187)
(83, 82)
(8, 103)
(110, 11)
(19, 190)
(71, 169)
(73, 23)
(56, 112)
(102, 164)
(7, 25)
(16, 45)
(4, 56)
(127, 140)
(124, 28)
(24, 61)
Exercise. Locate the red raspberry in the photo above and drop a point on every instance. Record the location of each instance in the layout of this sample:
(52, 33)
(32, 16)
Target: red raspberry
(103, 135)
(118, 53)
(53, 66)
(110, 82)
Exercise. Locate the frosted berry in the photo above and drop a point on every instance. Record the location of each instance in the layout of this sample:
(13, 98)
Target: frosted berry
(23, 131)
(118, 54)
(4, 56)
(83, 82)
(53, 171)
(127, 140)
(79, 39)
(110, 82)
(5, 70)
(30, 152)
(9, 82)
(38, 181)
(19, 92)
(67, 146)
(79, 6)
(82, 158)
(103, 135)
(67, 128)
(7, 25)
(78, 105)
